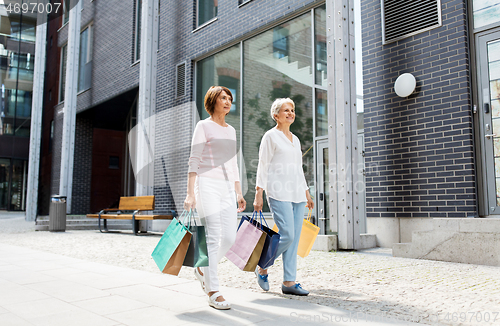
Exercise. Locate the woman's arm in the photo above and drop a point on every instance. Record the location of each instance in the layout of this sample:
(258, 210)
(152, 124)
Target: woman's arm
(258, 202)
(310, 202)
(190, 201)
(266, 153)
(242, 204)
(197, 144)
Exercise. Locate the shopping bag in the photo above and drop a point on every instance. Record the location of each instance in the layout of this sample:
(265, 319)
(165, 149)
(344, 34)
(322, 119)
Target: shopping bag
(171, 250)
(197, 253)
(307, 236)
(246, 250)
(271, 242)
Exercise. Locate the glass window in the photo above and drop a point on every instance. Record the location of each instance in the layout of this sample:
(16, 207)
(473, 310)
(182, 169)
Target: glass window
(85, 64)
(137, 32)
(16, 78)
(277, 64)
(321, 113)
(66, 11)
(222, 69)
(486, 12)
(320, 45)
(26, 31)
(207, 10)
(62, 75)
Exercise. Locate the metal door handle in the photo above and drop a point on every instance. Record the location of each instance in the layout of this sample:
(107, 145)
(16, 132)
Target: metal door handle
(489, 136)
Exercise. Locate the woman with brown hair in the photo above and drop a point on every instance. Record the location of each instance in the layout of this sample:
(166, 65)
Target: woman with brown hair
(214, 187)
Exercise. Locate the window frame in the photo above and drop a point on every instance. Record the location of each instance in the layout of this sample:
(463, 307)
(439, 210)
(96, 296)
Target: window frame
(136, 56)
(208, 21)
(88, 55)
(62, 78)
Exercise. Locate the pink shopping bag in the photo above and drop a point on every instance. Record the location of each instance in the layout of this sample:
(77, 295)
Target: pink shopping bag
(248, 240)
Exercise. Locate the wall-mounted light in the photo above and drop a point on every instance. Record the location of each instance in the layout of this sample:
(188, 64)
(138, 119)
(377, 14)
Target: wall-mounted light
(405, 85)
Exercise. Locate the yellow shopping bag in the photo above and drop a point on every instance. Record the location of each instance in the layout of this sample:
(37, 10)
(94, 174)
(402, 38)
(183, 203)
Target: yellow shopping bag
(307, 236)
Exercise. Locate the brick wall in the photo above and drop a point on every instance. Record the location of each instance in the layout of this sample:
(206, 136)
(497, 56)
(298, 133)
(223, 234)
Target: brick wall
(419, 150)
(82, 170)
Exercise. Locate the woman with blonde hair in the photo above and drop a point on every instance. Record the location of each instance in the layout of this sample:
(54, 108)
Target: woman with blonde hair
(280, 175)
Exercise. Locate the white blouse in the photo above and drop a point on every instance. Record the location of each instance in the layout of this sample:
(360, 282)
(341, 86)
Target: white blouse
(213, 151)
(279, 171)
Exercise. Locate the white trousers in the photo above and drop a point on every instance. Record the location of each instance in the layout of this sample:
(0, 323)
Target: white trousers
(216, 206)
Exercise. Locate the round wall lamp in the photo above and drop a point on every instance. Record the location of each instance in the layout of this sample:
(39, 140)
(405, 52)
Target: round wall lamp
(405, 85)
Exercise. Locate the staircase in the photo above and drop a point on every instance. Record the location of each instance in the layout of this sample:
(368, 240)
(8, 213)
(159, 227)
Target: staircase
(81, 222)
(291, 69)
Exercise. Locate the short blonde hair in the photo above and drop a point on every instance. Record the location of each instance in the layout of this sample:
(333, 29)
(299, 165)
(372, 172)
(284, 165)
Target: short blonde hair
(278, 103)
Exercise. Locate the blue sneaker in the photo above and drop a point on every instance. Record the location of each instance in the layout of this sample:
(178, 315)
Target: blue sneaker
(294, 289)
(262, 280)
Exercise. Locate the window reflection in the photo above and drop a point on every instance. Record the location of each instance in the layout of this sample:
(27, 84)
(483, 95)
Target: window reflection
(320, 45)
(207, 10)
(222, 69)
(486, 12)
(277, 64)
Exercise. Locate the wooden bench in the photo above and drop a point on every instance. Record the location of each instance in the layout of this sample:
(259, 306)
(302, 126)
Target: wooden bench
(128, 209)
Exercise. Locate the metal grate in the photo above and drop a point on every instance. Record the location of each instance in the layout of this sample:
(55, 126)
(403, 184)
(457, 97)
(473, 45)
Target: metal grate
(181, 79)
(403, 18)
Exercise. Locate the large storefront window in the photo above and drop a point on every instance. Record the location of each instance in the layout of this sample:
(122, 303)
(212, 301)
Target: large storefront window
(277, 64)
(288, 60)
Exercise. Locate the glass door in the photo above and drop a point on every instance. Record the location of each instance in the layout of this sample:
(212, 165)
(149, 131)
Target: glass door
(488, 52)
(323, 191)
(18, 185)
(4, 183)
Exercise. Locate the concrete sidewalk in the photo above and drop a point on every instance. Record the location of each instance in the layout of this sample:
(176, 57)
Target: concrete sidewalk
(40, 288)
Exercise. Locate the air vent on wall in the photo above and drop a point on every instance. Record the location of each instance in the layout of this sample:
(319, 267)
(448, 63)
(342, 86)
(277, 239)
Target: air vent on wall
(403, 18)
(181, 80)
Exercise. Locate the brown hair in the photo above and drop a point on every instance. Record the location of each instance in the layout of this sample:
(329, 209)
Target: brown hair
(212, 96)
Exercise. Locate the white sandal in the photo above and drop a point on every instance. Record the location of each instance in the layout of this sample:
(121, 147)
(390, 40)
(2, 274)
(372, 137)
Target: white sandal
(200, 278)
(222, 305)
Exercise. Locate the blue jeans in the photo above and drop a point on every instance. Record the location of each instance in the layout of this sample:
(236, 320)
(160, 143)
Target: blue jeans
(288, 217)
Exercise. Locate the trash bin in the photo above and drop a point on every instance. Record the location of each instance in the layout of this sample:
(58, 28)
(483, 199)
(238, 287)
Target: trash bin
(57, 213)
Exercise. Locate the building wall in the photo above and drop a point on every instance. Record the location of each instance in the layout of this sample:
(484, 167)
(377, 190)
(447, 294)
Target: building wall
(419, 150)
(82, 171)
(50, 100)
(113, 73)
(179, 43)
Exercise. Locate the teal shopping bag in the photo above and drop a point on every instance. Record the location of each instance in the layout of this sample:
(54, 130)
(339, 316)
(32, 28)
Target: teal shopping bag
(197, 254)
(171, 250)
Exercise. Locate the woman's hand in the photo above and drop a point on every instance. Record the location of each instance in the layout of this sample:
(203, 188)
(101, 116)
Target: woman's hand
(258, 203)
(310, 202)
(242, 204)
(190, 202)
